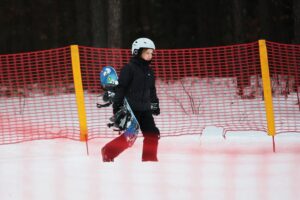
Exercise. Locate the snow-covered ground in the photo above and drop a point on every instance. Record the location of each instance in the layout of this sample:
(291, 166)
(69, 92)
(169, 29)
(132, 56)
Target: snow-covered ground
(241, 167)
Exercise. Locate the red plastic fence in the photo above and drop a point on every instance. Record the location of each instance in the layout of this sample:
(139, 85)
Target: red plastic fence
(200, 87)
(284, 64)
(37, 96)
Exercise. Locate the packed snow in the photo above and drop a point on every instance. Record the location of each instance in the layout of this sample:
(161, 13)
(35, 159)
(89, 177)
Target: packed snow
(204, 165)
(243, 166)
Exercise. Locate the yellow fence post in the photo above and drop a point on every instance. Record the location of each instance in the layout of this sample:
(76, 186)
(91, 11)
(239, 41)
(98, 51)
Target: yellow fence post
(267, 87)
(79, 92)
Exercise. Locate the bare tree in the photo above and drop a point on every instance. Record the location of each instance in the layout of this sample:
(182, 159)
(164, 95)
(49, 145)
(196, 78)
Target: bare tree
(238, 20)
(296, 9)
(98, 24)
(82, 22)
(114, 35)
(264, 19)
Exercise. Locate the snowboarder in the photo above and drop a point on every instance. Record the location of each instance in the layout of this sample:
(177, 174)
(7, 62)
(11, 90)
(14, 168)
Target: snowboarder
(137, 84)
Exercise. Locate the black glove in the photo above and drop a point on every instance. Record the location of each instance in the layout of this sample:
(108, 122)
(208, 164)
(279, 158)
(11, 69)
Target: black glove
(155, 108)
(108, 96)
(120, 119)
(116, 107)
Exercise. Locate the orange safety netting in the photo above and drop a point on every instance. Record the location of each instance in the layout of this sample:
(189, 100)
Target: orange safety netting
(284, 64)
(37, 96)
(199, 87)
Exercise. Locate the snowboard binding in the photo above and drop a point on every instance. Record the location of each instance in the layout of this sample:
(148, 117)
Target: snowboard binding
(124, 120)
(120, 119)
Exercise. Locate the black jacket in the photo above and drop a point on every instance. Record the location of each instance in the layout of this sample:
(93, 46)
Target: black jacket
(137, 85)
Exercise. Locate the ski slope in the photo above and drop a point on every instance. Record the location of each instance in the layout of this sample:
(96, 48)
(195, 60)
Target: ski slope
(241, 167)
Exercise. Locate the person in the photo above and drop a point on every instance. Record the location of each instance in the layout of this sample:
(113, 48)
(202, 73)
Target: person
(137, 85)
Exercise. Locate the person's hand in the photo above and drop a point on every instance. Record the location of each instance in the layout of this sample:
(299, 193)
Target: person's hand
(108, 96)
(155, 108)
(116, 107)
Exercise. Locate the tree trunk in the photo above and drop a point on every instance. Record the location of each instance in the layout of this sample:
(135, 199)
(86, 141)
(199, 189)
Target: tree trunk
(98, 23)
(264, 19)
(114, 35)
(21, 33)
(296, 9)
(82, 22)
(238, 21)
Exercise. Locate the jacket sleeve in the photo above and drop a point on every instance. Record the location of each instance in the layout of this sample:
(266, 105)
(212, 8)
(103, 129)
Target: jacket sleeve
(153, 94)
(124, 81)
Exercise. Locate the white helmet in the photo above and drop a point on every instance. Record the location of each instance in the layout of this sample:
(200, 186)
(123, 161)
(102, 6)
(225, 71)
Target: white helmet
(141, 43)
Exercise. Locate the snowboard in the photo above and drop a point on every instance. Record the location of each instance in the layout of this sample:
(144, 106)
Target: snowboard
(124, 119)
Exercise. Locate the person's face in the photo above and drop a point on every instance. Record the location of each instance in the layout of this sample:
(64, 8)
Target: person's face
(147, 54)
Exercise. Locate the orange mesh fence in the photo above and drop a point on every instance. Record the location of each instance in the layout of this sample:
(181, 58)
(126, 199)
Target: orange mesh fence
(91, 61)
(210, 87)
(37, 97)
(284, 64)
(199, 87)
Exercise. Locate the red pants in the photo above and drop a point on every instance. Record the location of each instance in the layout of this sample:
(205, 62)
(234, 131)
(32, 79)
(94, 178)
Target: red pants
(150, 144)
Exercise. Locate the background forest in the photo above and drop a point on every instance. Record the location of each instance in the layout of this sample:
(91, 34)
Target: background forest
(29, 25)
